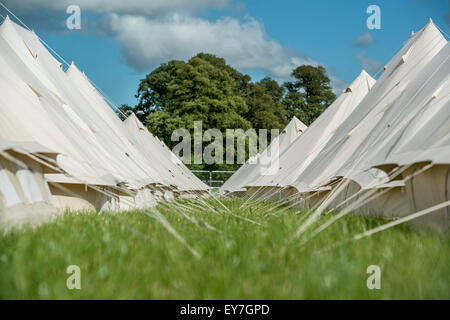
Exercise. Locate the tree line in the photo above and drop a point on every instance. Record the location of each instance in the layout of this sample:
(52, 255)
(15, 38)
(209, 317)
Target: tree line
(205, 88)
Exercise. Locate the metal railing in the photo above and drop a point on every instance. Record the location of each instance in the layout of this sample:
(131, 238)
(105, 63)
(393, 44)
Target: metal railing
(209, 174)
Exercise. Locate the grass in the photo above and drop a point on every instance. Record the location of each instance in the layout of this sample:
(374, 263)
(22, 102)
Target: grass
(132, 256)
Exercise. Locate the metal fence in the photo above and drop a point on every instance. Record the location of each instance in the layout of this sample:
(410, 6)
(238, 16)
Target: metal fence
(215, 178)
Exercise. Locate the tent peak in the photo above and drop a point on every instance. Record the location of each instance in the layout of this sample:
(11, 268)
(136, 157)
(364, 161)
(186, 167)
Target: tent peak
(431, 24)
(297, 124)
(133, 117)
(72, 67)
(6, 20)
(363, 77)
(363, 73)
(11, 23)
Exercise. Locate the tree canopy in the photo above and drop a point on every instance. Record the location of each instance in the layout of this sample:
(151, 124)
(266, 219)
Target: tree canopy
(205, 88)
(309, 95)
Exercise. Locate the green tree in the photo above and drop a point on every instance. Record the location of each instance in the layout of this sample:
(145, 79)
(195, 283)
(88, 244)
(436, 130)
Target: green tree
(154, 92)
(203, 89)
(309, 95)
(265, 110)
(273, 88)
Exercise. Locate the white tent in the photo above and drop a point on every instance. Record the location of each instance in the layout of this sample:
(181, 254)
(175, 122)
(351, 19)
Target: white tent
(266, 162)
(112, 132)
(100, 168)
(163, 158)
(37, 101)
(415, 134)
(341, 156)
(403, 123)
(24, 194)
(381, 147)
(42, 111)
(303, 151)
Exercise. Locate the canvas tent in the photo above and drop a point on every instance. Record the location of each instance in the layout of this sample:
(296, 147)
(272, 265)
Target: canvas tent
(342, 155)
(29, 85)
(374, 130)
(24, 194)
(422, 118)
(163, 158)
(98, 165)
(402, 125)
(381, 147)
(302, 151)
(264, 163)
(305, 149)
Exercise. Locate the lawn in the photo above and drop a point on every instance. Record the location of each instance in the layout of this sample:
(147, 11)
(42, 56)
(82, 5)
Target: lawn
(131, 255)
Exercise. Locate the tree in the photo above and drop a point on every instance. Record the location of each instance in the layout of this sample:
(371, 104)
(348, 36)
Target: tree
(203, 89)
(309, 95)
(265, 110)
(206, 88)
(154, 92)
(273, 88)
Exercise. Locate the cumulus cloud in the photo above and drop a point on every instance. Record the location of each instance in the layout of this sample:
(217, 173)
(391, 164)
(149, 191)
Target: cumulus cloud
(141, 7)
(245, 45)
(338, 85)
(46, 20)
(157, 31)
(371, 66)
(364, 40)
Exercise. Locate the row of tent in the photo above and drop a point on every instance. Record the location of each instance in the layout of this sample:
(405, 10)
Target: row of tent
(383, 147)
(63, 147)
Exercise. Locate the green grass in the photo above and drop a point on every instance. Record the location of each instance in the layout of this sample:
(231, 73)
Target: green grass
(132, 256)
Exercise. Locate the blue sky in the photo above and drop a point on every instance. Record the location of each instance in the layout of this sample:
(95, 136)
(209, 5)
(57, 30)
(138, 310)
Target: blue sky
(118, 44)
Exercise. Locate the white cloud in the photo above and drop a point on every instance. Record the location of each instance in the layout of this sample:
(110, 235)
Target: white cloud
(364, 40)
(371, 66)
(141, 7)
(245, 45)
(338, 85)
(151, 32)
